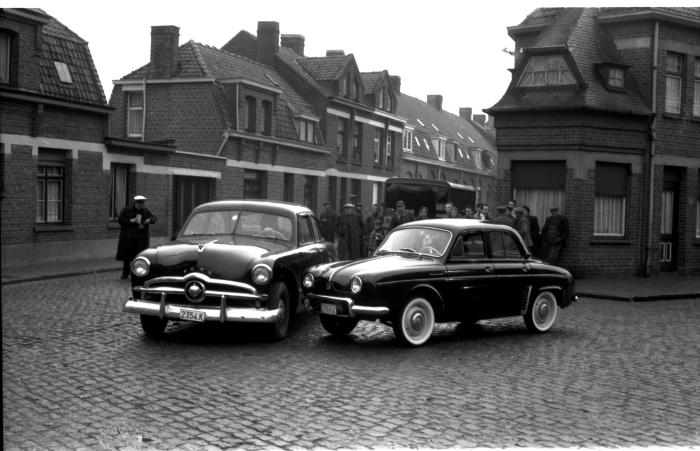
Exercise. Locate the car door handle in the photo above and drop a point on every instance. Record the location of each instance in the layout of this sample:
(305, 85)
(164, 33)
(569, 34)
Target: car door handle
(488, 269)
(526, 267)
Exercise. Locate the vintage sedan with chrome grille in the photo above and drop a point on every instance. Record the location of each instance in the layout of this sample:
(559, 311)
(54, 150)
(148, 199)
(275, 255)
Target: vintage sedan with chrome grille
(439, 270)
(232, 261)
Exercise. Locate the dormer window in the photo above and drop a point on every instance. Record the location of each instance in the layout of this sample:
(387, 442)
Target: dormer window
(612, 75)
(343, 87)
(616, 77)
(546, 70)
(306, 130)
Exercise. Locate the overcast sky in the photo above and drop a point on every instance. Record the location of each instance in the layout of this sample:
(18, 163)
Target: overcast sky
(449, 47)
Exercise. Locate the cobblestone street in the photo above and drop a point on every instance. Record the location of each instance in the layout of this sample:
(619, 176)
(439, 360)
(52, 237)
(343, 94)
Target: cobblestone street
(79, 373)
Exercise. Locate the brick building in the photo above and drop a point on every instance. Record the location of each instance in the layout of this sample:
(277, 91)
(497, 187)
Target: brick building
(602, 118)
(53, 118)
(442, 146)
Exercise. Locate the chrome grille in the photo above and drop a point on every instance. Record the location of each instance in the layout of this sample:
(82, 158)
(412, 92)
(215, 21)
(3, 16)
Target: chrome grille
(237, 294)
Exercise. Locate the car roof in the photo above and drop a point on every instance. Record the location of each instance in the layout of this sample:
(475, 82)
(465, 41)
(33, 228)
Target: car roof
(456, 225)
(267, 206)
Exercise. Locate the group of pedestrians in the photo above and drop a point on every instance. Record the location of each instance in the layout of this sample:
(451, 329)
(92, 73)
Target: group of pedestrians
(545, 243)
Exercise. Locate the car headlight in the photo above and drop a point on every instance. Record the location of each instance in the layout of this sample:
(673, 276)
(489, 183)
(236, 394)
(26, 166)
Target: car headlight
(140, 266)
(355, 285)
(262, 274)
(308, 280)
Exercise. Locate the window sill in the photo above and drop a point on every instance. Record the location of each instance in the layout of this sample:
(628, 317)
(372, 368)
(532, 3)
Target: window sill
(610, 241)
(113, 225)
(41, 228)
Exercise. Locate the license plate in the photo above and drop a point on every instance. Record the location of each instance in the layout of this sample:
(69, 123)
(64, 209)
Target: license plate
(329, 309)
(192, 315)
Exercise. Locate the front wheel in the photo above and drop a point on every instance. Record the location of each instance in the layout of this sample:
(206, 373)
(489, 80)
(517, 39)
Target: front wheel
(542, 312)
(338, 326)
(279, 299)
(414, 323)
(153, 326)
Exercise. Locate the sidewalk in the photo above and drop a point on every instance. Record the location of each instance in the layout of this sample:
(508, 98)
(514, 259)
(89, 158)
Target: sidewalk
(631, 289)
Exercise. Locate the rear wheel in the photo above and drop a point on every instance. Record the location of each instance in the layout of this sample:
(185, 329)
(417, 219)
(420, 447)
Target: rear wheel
(542, 312)
(414, 323)
(279, 299)
(338, 326)
(153, 326)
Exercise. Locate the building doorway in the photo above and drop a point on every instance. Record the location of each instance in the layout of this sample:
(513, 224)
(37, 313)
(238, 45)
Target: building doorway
(669, 220)
(189, 192)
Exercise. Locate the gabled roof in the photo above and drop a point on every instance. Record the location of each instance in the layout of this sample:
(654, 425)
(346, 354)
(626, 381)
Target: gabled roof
(62, 45)
(574, 33)
(370, 80)
(430, 123)
(326, 68)
(197, 60)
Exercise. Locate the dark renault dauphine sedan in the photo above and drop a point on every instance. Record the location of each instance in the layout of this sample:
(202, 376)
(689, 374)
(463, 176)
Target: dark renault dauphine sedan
(232, 261)
(439, 270)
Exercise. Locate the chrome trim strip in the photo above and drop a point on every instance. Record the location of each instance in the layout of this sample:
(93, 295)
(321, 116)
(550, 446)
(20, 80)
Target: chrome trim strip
(230, 315)
(202, 277)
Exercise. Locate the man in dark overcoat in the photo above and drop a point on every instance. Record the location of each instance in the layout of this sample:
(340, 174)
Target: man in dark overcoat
(350, 229)
(134, 235)
(327, 220)
(555, 234)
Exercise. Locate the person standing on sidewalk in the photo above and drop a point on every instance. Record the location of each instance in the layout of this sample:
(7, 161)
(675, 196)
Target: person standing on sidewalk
(134, 235)
(555, 233)
(522, 225)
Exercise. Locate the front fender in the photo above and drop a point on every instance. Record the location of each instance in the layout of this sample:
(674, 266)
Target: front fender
(430, 293)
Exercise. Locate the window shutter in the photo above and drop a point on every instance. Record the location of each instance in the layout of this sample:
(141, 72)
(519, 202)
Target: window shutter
(611, 179)
(539, 174)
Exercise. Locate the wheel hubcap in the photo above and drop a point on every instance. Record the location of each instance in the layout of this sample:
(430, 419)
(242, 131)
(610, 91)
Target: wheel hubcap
(417, 321)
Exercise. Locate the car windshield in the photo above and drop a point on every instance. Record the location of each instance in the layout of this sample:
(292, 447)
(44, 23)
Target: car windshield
(239, 223)
(418, 240)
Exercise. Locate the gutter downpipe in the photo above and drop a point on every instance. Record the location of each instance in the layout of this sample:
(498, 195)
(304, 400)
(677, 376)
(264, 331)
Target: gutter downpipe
(652, 149)
(143, 119)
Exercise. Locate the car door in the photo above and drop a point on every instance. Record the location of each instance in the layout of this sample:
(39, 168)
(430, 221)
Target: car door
(470, 277)
(512, 271)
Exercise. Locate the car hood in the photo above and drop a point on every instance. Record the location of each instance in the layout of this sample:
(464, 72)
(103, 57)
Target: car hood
(226, 256)
(383, 267)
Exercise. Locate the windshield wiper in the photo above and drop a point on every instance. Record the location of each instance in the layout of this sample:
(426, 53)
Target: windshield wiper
(407, 249)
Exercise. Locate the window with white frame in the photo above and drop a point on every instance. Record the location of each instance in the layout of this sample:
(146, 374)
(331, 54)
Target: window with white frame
(134, 114)
(674, 85)
(546, 70)
(50, 188)
(357, 141)
(341, 137)
(5, 42)
(441, 149)
(477, 158)
(696, 88)
(377, 144)
(616, 77)
(267, 117)
(610, 199)
(305, 129)
(388, 153)
(538, 184)
(250, 114)
(63, 72)
(408, 140)
(120, 189)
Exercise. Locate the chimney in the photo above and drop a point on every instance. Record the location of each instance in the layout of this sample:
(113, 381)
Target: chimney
(435, 100)
(268, 42)
(164, 43)
(335, 52)
(480, 119)
(395, 81)
(465, 113)
(294, 42)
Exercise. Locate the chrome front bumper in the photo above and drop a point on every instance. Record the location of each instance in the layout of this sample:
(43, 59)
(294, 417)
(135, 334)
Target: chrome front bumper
(224, 315)
(222, 290)
(349, 305)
